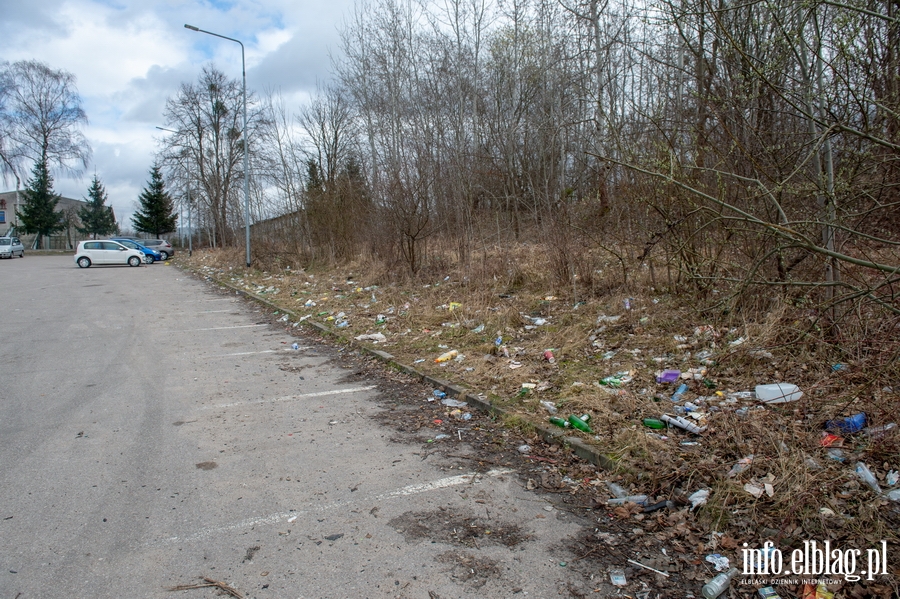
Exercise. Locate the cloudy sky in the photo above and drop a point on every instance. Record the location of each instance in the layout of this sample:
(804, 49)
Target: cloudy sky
(130, 55)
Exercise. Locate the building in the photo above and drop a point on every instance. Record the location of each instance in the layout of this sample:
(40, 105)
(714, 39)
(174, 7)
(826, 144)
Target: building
(66, 239)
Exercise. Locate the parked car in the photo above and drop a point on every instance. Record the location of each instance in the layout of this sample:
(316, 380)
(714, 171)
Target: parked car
(151, 254)
(10, 246)
(160, 245)
(106, 251)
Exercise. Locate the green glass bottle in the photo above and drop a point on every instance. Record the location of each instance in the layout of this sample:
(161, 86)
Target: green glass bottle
(654, 423)
(580, 423)
(561, 422)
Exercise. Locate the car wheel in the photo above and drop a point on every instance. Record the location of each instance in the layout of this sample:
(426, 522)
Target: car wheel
(148, 259)
(164, 254)
(84, 262)
(134, 261)
(22, 254)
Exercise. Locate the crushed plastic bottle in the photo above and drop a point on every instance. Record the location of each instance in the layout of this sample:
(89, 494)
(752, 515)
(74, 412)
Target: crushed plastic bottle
(438, 394)
(549, 406)
(863, 472)
(876, 432)
(616, 489)
(849, 425)
(447, 356)
(679, 392)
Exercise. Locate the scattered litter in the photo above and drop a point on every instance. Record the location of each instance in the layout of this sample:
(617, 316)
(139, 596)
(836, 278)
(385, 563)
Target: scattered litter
(439, 394)
(376, 337)
(524, 448)
(863, 472)
(453, 403)
(513, 365)
(876, 432)
(549, 406)
(617, 577)
(698, 498)
(718, 560)
(292, 519)
(667, 376)
(682, 423)
(295, 346)
(638, 499)
(892, 478)
(610, 319)
(741, 466)
(631, 561)
(768, 593)
(778, 393)
(831, 440)
(849, 425)
(478, 329)
(441, 437)
(419, 361)
(754, 490)
(447, 356)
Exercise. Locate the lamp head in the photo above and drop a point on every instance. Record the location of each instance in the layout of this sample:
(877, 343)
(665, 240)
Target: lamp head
(191, 27)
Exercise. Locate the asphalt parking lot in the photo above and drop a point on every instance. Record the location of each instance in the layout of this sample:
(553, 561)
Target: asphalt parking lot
(155, 431)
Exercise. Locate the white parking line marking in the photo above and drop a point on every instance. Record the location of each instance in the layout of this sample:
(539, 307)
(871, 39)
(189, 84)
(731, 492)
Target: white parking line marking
(283, 516)
(265, 351)
(292, 397)
(238, 326)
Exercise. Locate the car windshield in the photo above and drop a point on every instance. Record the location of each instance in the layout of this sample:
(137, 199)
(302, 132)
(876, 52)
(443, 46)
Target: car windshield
(5, 241)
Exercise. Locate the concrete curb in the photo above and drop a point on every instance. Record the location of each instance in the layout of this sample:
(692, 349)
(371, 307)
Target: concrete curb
(550, 435)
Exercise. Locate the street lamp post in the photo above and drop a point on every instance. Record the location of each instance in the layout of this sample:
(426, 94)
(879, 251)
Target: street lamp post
(246, 154)
(187, 174)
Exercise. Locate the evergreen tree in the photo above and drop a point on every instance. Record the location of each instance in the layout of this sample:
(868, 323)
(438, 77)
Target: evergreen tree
(157, 213)
(38, 215)
(96, 217)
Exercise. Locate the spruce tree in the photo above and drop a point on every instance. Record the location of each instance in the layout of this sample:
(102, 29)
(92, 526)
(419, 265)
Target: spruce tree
(96, 217)
(157, 213)
(38, 215)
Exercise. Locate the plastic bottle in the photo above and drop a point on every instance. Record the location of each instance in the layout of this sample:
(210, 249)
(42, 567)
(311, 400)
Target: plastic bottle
(549, 406)
(653, 423)
(683, 423)
(679, 393)
(717, 585)
(863, 472)
(849, 425)
(616, 489)
(560, 422)
(548, 355)
(638, 499)
(447, 356)
(876, 432)
(778, 393)
(581, 423)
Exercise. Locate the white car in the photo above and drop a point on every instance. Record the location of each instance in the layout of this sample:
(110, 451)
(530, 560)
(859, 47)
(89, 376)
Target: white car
(10, 246)
(106, 252)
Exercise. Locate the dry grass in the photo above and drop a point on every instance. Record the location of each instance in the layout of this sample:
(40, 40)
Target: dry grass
(759, 339)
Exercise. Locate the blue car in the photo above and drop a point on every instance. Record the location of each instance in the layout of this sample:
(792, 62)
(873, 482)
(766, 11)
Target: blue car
(151, 255)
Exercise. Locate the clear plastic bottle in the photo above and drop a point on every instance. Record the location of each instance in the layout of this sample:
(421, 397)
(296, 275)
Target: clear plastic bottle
(717, 585)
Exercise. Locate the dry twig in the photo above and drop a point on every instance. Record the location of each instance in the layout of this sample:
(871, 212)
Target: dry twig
(209, 582)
